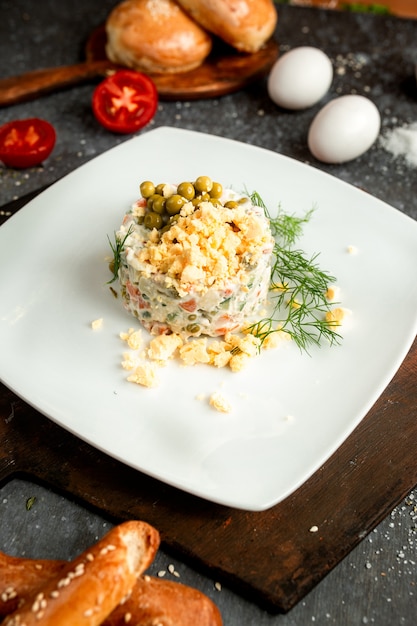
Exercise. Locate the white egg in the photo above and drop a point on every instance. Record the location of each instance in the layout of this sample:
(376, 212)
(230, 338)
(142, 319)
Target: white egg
(344, 129)
(300, 78)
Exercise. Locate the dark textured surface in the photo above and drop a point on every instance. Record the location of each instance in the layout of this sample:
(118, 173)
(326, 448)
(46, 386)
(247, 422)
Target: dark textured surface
(377, 582)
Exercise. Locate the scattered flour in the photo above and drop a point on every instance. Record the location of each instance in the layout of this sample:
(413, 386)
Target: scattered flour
(402, 141)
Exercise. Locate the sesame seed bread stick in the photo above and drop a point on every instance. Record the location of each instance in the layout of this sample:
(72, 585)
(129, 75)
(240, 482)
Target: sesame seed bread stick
(85, 591)
(165, 603)
(21, 577)
(152, 600)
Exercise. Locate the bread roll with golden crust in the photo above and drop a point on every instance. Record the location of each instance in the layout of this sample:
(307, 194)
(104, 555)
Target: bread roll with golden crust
(244, 24)
(155, 36)
(151, 601)
(85, 591)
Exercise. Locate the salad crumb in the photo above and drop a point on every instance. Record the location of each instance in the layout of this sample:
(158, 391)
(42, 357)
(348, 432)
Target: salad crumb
(219, 402)
(145, 374)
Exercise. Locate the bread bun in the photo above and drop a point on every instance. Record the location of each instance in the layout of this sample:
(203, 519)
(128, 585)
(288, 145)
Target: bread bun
(155, 36)
(244, 24)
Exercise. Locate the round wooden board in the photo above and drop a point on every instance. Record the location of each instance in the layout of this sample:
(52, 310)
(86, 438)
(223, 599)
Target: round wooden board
(224, 71)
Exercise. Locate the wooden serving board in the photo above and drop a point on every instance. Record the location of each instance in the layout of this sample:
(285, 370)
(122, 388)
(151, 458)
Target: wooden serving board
(223, 72)
(272, 557)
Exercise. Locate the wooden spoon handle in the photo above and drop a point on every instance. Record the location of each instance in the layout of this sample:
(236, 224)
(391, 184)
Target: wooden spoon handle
(33, 84)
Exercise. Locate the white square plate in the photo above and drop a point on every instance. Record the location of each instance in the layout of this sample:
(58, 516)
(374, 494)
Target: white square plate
(290, 411)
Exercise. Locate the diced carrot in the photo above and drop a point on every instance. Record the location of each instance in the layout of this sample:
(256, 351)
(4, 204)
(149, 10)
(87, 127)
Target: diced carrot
(190, 305)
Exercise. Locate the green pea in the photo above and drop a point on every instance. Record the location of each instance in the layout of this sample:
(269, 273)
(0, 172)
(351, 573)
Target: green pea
(160, 189)
(158, 204)
(147, 189)
(174, 204)
(193, 328)
(203, 183)
(186, 190)
(152, 220)
(216, 190)
(231, 204)
(150, 200)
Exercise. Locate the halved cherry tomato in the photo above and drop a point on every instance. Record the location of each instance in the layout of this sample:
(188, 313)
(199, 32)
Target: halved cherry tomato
(125, 101)
(26, 143)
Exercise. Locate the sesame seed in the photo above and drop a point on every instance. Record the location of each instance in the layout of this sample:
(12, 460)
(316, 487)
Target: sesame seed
(39, 615)
(88, 613)
(79, 570)
(89, 557)
(8, 594)
(54, 594)
(127, 617)
(218, 586)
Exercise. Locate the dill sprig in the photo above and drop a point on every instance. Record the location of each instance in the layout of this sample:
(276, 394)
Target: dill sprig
(298, 286)
(117, 248)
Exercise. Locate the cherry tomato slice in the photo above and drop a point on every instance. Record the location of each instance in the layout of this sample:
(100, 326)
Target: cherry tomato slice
(125, 101)
(26, 143)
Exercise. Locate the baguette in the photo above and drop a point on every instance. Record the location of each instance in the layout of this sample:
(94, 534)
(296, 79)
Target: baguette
(151, 601)
(85, 591)
(155, 36)
(244, 24)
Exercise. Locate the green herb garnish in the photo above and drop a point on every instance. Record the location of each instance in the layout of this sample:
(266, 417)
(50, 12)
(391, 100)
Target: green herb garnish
(30, 502)
(117, 248)
(298, 287)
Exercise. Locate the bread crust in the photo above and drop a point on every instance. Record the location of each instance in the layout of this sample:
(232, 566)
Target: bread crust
(151, 600)
(155, 36)
(244, 24)
(85, 591)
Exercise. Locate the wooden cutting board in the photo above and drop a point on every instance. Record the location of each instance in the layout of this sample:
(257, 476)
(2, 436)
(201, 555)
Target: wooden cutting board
(273, 557)
(223, 72)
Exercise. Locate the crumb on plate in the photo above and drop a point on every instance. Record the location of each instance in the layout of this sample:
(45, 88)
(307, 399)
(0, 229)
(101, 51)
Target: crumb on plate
(219, 402)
